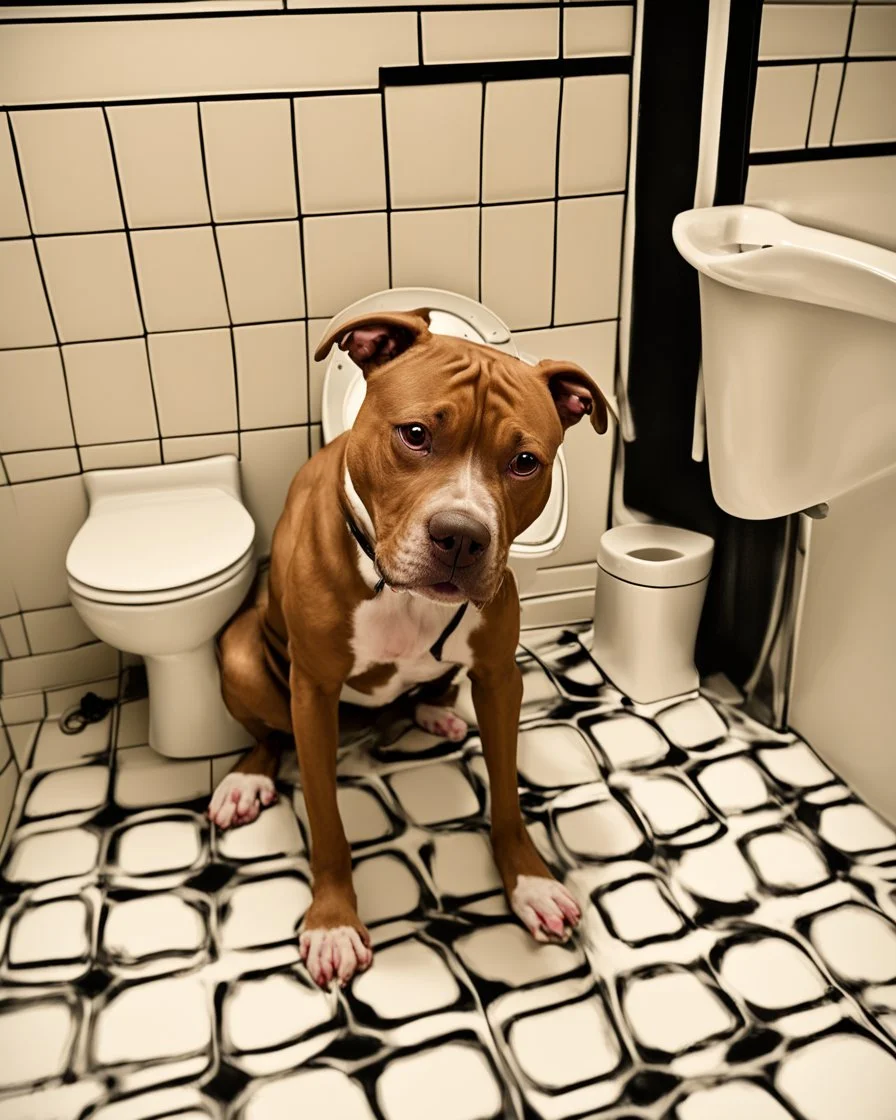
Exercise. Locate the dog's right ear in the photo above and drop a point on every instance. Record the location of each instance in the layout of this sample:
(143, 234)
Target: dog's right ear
(376, 338)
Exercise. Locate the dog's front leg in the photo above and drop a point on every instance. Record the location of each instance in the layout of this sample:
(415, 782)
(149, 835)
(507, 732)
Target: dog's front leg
(333, 941)
(545, 907)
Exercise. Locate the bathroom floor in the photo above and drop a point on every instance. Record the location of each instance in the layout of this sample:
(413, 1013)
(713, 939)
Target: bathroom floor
(737, 960)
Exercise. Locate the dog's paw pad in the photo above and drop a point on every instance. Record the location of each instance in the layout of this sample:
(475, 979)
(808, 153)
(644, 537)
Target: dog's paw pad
(440, 721)
(334, 954)
(239, 798)
(545, 907)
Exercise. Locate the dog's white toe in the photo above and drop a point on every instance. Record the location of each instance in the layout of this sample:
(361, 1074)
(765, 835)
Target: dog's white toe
(545, 907)
(239, 798)
(440, 721)
(334, 954)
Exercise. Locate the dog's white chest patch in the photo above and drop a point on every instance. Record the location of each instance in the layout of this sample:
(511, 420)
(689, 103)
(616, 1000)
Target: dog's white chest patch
(399, 628)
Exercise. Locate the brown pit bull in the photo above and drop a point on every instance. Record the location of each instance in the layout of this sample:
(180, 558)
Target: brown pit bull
(389, 566)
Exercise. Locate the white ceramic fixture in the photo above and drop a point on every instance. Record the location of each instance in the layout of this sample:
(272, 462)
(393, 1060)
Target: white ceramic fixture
(799, 358)
(452, 314)
(651, 582)
(163, 560)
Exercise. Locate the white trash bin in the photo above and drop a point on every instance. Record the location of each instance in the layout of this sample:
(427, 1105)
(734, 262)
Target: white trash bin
(651, 582)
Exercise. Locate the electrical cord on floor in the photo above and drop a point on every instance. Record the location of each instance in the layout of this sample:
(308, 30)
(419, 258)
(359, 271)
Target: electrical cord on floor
(92, 708)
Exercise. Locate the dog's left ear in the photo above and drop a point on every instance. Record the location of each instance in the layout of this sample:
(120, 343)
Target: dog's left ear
(575, 394)
(372, 340)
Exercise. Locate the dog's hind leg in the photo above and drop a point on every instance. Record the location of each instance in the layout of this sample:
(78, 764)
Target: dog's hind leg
(253, 697)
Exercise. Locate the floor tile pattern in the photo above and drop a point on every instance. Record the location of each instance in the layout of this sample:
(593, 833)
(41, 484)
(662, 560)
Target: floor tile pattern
(737, 957)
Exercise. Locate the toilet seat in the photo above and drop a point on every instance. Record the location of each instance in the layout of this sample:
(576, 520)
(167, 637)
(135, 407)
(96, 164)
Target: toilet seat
(652, 555)
(158, 546)
(462, 317)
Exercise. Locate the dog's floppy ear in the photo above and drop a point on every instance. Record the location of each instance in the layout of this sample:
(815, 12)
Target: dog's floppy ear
(575, 394)
(375, 338)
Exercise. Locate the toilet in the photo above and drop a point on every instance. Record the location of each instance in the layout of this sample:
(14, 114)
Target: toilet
(163, 560)
(461, 317)
(651, 583)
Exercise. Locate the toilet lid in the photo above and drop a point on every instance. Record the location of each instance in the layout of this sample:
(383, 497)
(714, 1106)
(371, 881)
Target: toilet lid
(158, 540)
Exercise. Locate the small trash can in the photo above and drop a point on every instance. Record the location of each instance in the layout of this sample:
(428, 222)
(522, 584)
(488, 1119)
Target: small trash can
(651, 582)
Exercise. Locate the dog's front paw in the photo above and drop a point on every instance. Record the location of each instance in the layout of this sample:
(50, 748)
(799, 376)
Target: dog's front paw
(545, 907)
(440, 721)
(335, 953)
(239, 798)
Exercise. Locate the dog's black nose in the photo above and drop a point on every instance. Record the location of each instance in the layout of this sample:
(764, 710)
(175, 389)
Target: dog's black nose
(458, 540)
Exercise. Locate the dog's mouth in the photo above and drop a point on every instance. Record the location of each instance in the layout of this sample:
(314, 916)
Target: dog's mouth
(444, 592)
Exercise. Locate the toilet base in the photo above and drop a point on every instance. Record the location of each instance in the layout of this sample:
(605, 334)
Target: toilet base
(187, 715)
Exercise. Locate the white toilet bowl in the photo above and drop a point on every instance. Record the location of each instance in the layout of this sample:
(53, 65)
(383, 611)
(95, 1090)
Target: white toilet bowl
(163, 560)
(451, 314)
(651, 582)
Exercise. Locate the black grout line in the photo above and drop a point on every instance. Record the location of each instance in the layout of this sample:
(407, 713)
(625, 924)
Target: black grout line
(419, 37)
(482, 109)
(43, 280)
(450, 73)
(297, 185)
(845, 60)
(134, 275)
(812, 105)
(384, 117)
(821, 154)
(222, 274)
(556, 196)
(775, 63)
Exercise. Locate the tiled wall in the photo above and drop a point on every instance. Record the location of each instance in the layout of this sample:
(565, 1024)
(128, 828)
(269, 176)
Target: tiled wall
(823, 143)
(185, 200)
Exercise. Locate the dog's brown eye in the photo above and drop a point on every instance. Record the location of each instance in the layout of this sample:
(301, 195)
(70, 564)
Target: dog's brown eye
(415, 436)
(524, 464)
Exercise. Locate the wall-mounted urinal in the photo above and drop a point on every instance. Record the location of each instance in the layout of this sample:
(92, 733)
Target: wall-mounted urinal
(799, 358)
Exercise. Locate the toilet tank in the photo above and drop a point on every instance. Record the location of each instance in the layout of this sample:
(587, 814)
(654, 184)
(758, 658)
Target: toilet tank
(799, 358)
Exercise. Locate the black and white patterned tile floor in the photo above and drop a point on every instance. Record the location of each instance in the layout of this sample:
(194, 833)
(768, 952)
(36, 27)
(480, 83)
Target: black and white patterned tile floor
(737, 960)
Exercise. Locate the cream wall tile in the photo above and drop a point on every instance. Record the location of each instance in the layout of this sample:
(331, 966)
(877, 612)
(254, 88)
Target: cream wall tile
(434, 144)
(519, 150)
(517, 263)
(594, 134)
(4, 652)
(67, 169)
(56, 629)
(824, 106)
(50, 670)
(803, 30)
(596, 31)
(589, 241)
(22, 709)
(262, 265)
(26, 318)
(781, 109)
(436, 249)
(248, 156)
(867, 104)
(91, 286)
(346, 258)
(13, 218)
(268, 464)
(484, 36)
(9, 604)
(33, 403)
(192, 372)
(340, 152)
(271, 368)
(52, 62)
(47, 516)
(9, 783)
(160, 164)
(853, 197)
(316, 370)
(180, 279)
(13, 630)
(28, 466)
(104, 456)
(874, 30)
(200, 447)
(110, 391)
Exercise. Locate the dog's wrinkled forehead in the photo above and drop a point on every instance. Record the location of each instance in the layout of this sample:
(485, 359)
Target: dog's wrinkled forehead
(555, 390)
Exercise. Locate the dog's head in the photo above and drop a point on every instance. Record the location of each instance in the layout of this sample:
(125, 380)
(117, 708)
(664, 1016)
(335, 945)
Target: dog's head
(452, 449)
